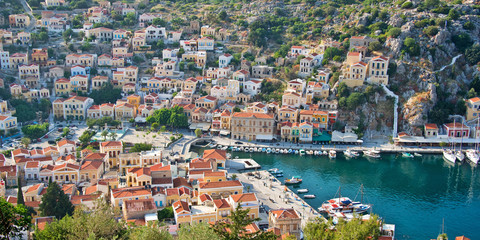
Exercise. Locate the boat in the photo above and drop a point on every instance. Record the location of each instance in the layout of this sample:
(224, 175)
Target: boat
(269, 150)
(277, 150)
(279, 175)
(344, 205)
(310, 196)
(275, 170)
(234, 149)
(296, 151)
(417, 154)
(293, 180)
(371, 154)
(351, 154)
(290, 150)
(332, 154)
(303, 190)
(301, 152)
(460, 155)
(407, 155)
(310, 152)
(255, 149)
(247, 149)
(473, 155)
(324, 153)
(264, 149)
(449, 156)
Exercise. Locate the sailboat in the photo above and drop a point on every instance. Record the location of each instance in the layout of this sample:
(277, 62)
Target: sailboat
(449, 154)
(459, 154)
(472, 154)
(344, 205)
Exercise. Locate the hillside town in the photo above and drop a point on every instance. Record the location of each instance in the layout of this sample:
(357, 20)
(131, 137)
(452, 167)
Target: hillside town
(110, 100)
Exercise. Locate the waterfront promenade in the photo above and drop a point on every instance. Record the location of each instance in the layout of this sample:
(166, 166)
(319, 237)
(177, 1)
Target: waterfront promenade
(274, 195)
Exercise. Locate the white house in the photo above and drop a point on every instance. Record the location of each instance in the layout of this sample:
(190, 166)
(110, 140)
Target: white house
(252, 87)
(80, 70)
(224, 60)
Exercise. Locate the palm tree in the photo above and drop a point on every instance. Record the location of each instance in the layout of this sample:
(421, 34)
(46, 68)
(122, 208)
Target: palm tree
(104, 135)
(26, 141)
(113, 136)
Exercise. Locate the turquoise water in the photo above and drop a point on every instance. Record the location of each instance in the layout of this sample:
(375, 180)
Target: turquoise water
(414, 194)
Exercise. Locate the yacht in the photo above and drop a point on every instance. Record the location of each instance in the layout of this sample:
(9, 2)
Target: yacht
(473, 155)
(460, 156)
(407, 155)
(343, 205)
(310, 196)
(449, 156)
(293, 180)
(351, 154)
(304, 190)
(372, 153)
(332, 154)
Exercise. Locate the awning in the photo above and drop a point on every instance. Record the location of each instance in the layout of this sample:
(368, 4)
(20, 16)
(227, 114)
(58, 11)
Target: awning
(224, 132)
(264, 137)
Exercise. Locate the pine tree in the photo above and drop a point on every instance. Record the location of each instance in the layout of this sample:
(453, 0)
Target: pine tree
(20, 199)
(55, 202)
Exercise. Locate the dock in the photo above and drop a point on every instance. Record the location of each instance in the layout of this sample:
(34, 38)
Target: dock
(272, 194)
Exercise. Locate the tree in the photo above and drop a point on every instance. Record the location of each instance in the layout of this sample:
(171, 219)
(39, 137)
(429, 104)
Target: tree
(196, 231)
(13, 220)
(106, 94)
(473, 54)
(140, 147)
(342, 90)
(25, 141)
(235, 228)
(411, 47)
(394, 32)
(86, 137)
(20, 199)
(113, 136)
(104, 135)
(55, 202)
(354, 100)
(66, 131)
(152, 231)
(462, 41)
(431, 3)
(35, 131)
(155, 126)
(165, 213)
(354, 229)
(471, 93)
(431, 31)
(234, 177)
(159, 22)
(222, 15)
(96, 223)
(198, 132)
(331, 52)
(453, 14)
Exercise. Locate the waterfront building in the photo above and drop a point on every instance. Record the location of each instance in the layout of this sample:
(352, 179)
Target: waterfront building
(253, 126)
(287, 220)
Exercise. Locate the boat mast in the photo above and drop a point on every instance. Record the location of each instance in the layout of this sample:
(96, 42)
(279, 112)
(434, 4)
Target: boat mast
(361, 189)
(454, 133)
(461, 140)
(476, 134)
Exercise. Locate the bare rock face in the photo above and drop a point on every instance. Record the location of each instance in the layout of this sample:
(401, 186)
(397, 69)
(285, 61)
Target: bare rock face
(395, 45)
(441, 37)
(396, 20)
(363, 19)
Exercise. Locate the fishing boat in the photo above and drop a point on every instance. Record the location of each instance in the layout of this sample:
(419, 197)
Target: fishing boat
(332, 154)
(301, 152)
(310, 196)
(304, 190)
(417, 154)
(234, 149)
(371, 153)
(407, 155)
(449, 156)
(351, 154)
(293, 180)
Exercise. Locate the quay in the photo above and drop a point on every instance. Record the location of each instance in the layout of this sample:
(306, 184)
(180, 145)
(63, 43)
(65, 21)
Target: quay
(272, 194)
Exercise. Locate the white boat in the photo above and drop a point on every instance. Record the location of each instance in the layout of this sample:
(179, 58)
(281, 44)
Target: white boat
(269, 150)
(371, 153)
(281, 151)
(296, 151)
(234, 149)
(473, 155)
(301, 152)
(460, 155)
(417, 154)
(310, 152)
(277, 150)
(351, 154)
(255, 149)
(304, 190)
(449, 156)
(240, 149)
(324, 153)
(247, 149)
(285, 151)
(290, 151)
(332, 154)
(310, 196)
(275, 170)
(407, 155)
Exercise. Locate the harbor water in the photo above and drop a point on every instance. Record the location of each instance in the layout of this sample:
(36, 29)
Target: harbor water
(415, 194)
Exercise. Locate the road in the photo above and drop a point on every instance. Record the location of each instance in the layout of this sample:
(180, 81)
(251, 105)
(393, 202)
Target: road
(28, 10)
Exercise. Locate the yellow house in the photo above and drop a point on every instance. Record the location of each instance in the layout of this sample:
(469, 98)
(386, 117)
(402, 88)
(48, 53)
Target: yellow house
(7, 122)
(473, 108)
(246, 201)
(131, 74)
(287, 114)
(91, 170)
(124, 111)
(207, 102)
(76, 107)
(66, 173)
(178, 194)
(113, 149)
(57, 106)
(79, 83)
(220, 189)
(292, 99)
(98, 82)
(222, 208)
(139, 176)
(355, 75)
(134, 100)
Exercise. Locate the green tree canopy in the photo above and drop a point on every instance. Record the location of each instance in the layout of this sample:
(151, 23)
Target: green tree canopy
(139, 147)
(35, 131)
(106, 94)
(354, 229)
(196, 231)
(55, 202)
(13, 219)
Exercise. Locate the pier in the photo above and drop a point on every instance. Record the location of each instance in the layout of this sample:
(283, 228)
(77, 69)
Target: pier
(272, 194)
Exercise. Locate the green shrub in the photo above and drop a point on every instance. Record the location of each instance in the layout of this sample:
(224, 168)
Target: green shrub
(431, 31)
(394, 32)
(407, 5)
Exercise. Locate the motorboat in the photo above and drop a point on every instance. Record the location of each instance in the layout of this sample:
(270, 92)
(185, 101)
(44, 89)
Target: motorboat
(293, 180)
(310, 152)
(301, 152)
(303, 190)
(417, 154)
(290, 150)
(372, 153)
(315, 153)
(264, 149)
(449, 156)
(351, 154)
(255, 149)
(332, 154)
(324, 153)
(279, 175)
(460, 156)
(269, 150)
(407, 155)
(277, 150)
(247, 149)
(234, 149)
(343, 205)
(296, 151)
(473, 155)
(240, 149)
(310, 196)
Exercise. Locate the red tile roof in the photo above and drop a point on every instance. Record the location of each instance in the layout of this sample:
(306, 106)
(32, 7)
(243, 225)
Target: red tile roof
(221, 203)
(245, 197)
(285, 213)
(233, 183)
(215, 154)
